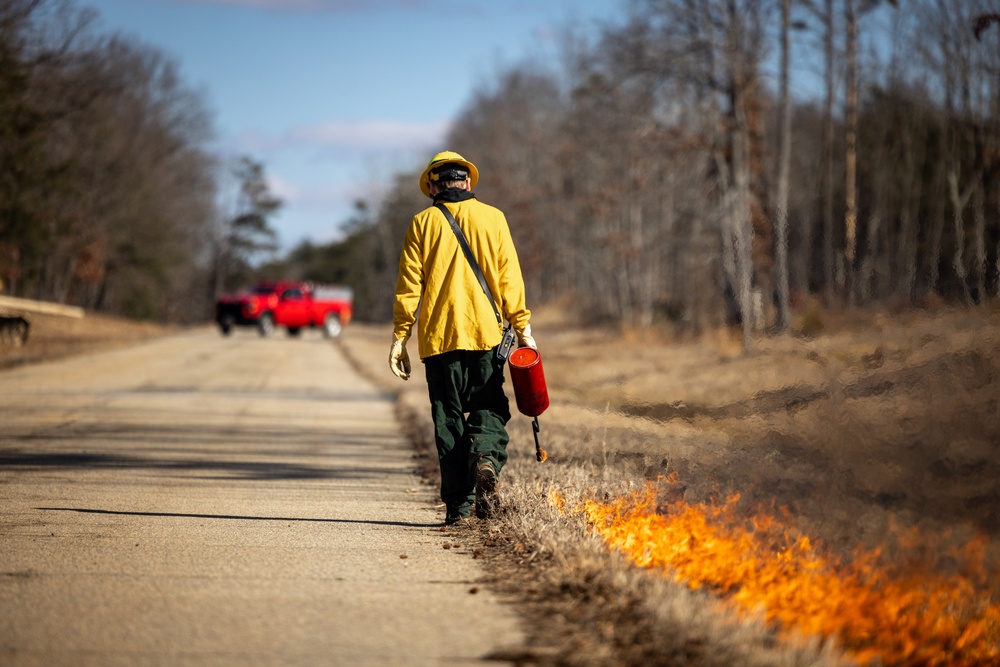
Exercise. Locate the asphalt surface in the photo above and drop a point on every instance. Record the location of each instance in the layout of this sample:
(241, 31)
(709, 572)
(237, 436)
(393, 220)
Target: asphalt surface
(200, 500)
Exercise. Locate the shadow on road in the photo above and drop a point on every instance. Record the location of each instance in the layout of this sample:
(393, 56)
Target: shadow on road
(236, 517)
(244, 470)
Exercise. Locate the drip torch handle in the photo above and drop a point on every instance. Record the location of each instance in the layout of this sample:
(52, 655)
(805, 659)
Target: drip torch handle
(540, 454)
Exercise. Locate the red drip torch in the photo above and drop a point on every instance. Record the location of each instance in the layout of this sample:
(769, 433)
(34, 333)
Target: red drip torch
(529, 389)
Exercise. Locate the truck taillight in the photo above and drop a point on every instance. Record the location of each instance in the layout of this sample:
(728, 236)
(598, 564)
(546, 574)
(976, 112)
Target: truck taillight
(251, 308)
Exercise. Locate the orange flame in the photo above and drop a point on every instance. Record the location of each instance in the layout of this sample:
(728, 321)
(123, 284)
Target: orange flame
(908, 615)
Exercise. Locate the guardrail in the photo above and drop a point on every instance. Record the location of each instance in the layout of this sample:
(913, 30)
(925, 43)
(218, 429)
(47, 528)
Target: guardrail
(19, 305)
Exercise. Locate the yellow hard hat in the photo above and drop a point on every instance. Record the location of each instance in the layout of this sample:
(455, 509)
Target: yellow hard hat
(448, 157)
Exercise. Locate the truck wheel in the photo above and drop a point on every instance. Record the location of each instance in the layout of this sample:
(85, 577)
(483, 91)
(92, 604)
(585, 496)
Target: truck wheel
(265, 325)
(226, 325)
(294, 331)
(332, 326)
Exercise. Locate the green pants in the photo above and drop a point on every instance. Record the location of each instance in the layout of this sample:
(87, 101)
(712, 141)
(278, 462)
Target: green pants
(470, 412)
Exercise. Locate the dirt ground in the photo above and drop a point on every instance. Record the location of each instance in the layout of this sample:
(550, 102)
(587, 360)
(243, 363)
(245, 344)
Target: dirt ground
(876, 423)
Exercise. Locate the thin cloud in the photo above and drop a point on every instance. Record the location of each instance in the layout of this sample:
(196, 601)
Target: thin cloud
(365, 136)
(326, 195)
(368, 134)
(284, 190)
(312, 5)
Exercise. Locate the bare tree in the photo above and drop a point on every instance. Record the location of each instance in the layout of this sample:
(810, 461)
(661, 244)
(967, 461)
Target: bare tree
(824, 11)
(850, 140)
(637, 182)
(106, 201)
(784, 165)
(951, 45)
(512, 131)
(246, 233)
(33, 34)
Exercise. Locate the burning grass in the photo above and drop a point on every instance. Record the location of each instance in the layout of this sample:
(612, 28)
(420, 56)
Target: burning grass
(903, 613)
(878, 441)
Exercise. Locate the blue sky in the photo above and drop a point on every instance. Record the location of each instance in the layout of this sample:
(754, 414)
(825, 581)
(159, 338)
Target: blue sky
(334, 96)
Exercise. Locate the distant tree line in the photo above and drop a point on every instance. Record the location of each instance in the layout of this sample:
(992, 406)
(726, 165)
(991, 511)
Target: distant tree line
(109, 197)
(668, 171)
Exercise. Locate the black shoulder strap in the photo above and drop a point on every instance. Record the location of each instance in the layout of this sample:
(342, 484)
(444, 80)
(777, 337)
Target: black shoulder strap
(469, 256)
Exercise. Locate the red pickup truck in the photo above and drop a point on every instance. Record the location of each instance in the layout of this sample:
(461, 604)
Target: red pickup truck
(287, 303)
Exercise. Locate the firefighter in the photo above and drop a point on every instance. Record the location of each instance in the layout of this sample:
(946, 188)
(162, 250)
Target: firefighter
(458, 330)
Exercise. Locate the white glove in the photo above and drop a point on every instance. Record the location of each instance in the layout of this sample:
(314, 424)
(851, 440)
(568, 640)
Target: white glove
(399, 360)
(524, 338)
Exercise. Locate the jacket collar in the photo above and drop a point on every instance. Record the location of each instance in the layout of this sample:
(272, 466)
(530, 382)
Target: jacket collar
(454, 195)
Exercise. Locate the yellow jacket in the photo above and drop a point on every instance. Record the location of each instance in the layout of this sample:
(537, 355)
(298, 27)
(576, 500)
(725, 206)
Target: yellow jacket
(435, 277)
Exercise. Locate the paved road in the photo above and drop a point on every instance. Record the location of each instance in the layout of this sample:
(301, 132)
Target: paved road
(207, 501)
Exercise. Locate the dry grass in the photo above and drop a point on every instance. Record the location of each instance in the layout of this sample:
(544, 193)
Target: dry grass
(872, 425)
(877, 424)
(54, 337)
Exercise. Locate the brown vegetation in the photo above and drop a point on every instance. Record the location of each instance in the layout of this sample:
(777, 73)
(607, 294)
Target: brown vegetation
(54, 337)
(878, 425)
(874, 426)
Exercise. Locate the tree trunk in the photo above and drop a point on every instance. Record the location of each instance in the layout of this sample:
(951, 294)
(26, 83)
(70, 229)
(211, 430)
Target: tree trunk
(867, 282)
(851, 139)
(829, 75)
(742, 227)
(937, 232)
(785, 158)
(979, 242)
(910, 213)
(958, 204)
